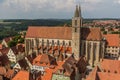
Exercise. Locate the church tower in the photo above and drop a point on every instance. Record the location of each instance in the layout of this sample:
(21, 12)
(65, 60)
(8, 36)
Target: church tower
(76, 32)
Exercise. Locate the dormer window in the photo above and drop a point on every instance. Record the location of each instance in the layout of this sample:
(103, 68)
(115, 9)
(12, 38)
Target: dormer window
(115, 71)
(104, 70)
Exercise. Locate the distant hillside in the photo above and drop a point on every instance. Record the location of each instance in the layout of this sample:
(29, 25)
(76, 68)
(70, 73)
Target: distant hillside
(10, 27)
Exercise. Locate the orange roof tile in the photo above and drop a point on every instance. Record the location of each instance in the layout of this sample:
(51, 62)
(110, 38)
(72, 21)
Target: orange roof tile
(108, 76)
(91, 34)
(92, 75)
(57, 33)
(22, 75)
(110, 65)
(43, 60)
(4, 51)
(96, 74)
(10, 73)
(49, 32)
(112, 39)
(49, 72)
(2, 70)
(1, 46)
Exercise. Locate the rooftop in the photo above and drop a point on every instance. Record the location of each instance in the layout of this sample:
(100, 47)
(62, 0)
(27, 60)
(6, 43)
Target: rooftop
(22, 75)
(112, 39)
(53, 32)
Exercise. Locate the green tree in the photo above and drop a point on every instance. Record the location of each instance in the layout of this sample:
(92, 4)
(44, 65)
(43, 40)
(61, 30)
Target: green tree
(105, 32)
(12, 43)
(21, 40)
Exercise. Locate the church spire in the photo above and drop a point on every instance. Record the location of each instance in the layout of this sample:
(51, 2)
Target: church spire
(77, 11)
(80, 11)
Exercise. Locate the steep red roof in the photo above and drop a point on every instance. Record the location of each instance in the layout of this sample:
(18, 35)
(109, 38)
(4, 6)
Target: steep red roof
(108, 76)
(111, 66)
(62, 33)
(112, 39)
(9, 74)
(1, 46)
(22, 75)
(4, 51)
(17, 49)
(2, 70)
(93, 74)
(44, 60)
(96, 74)
(4, 60)
(91, 34)
(49, 32)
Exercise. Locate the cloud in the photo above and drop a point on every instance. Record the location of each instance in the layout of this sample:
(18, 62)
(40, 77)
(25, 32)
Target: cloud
(57, 8)
(31, 8)
(93, 1)
(117, 1)
(38, 4)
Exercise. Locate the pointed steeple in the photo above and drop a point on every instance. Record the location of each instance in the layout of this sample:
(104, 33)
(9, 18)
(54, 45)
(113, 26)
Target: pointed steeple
(77, 11)
(80, 11)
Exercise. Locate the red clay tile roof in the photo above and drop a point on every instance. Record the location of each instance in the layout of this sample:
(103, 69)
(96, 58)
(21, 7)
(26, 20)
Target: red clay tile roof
(2, 70)
(93, 74)
(108, 76)
(49, 32)
(112, 40)
(49, 72)
(10, 73)
(110, 65)
(44, 60)
(17, 49)
(1, 46)
(91, 34)
(4, 51)
(22, 75)
(96, 74)
(4, 60)
(62, 33)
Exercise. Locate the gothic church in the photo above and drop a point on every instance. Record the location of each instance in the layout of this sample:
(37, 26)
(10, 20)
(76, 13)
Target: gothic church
(63, 41)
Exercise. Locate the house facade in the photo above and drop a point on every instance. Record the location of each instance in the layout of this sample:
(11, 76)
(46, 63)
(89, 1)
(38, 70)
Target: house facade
(15, 54)
(112, 46)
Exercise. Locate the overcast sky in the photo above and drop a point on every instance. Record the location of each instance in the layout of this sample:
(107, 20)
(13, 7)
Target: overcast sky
(61, 9)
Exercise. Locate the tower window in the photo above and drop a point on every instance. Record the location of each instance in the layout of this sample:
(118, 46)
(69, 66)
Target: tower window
(75, 22)
(75, 29)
